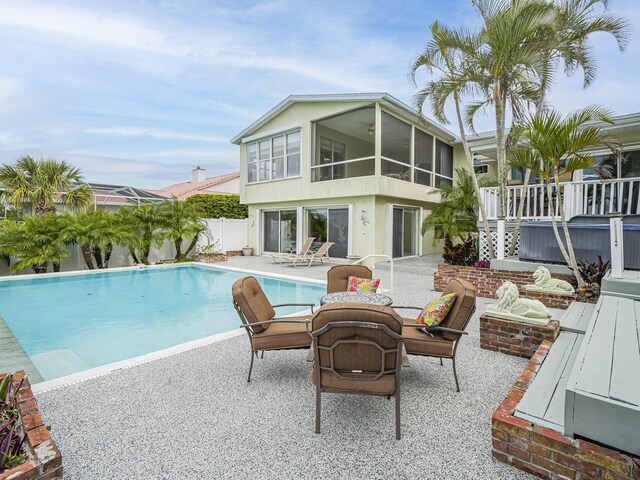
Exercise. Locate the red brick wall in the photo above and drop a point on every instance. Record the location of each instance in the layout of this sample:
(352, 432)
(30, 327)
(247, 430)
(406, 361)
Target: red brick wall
(45, 461)
(546, 453)
(488, 280)
(515, 338)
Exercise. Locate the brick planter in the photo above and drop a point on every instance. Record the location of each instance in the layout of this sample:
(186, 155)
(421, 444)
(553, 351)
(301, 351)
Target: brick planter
(234, 253)
(44, 461)
(488, 280)
(515, 338)
(211, 258)
(546, 453)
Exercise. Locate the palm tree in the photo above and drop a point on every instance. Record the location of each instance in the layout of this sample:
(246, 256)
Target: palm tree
(576, 20)
(144, 225)
(180, 221)
(41, 182)
(509, 66)
(81, 230)
(454, 219)
(449, 53)
(111, 232)
(552, 146)
(35, 241)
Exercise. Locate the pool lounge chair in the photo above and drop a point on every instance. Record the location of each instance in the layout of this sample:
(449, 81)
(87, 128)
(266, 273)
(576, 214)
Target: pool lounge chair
(320, 255)
(265, 330)
(304, 251)
(357, 349)
(338, 276)
(442, 341)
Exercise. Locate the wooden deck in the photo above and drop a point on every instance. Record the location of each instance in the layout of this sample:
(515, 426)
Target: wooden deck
(543, 403)
(603, 391)
(576, 318)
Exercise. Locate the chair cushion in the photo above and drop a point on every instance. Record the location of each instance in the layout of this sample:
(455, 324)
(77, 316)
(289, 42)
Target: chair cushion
(462, 310)
(281, 336)
(385, 385)
(416, 342)
(363, 285)
(436, 310)
(254, 304)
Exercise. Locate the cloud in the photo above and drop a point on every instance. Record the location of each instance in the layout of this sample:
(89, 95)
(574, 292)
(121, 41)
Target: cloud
(153, 133)
(93, 26)
(8, 87)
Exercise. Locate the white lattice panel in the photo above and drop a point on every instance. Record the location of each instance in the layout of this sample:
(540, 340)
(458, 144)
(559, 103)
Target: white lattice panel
(483, 254)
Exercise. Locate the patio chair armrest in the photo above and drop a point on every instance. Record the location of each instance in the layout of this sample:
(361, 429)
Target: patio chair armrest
(274, 320)
(405, 308)
(436, 329)
(311, 305)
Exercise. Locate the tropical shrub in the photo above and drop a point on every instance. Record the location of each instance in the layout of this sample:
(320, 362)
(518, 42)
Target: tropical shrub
(482, 264)
(181, 221)
(11, 437)
(218, 206)
(143, 226)
(594, 272)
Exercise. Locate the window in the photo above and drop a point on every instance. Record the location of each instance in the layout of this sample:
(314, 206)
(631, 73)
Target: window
(481, 169)
(274, 158)
(396, 151)
(329, 225)
(423, 152)
(444, 164)
(280, 231)
(345, 145)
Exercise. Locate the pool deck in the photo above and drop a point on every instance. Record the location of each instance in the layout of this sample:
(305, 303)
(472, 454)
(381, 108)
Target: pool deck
(193, 415)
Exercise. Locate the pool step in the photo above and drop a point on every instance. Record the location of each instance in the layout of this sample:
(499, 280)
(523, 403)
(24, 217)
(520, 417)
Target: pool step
(13, 357)
(58, 363)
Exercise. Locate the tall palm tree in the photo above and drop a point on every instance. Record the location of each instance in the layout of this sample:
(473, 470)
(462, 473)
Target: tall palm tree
(454, 219)
(569, 45)
(41, 183)
(35, 240)
(551, 146)
(449, 53)
(510, 66)
(181, 221)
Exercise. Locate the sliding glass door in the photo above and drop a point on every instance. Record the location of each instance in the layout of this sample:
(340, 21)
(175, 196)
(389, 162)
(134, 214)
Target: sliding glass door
(405, 232)
(280, 231)
(329, 225)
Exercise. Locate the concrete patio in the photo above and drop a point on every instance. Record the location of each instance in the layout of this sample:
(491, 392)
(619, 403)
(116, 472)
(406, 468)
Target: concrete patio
(193, 415)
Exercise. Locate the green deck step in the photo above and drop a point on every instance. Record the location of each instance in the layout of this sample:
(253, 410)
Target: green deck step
(576, 318)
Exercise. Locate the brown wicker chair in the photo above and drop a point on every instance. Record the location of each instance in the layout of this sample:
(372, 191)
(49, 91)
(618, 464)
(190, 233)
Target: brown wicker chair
(265, 330)
(357, 349)
(442, 341)
(338, 276)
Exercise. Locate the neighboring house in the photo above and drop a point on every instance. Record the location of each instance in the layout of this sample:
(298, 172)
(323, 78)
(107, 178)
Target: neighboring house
(228, 184)
(584, 192)
(358, 170)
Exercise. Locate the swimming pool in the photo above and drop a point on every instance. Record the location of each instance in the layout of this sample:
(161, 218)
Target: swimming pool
(71, 323)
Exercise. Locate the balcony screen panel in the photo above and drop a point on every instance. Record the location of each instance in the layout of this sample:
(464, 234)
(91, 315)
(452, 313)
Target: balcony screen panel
(444, 159)
(396, 170)
(423, 178)
(252, 157)
(264, 151)
(396, 139)
(423, 150)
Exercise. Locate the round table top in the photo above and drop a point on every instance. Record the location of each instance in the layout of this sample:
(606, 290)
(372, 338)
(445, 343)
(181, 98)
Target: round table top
(356, 297)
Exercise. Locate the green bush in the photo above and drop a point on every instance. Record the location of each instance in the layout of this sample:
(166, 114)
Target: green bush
(218, 206)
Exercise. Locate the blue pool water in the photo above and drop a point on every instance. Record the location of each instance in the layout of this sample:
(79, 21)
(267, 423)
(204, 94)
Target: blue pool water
(67, 324)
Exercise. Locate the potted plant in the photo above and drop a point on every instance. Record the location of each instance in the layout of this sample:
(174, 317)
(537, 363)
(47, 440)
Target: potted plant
(247, 251)
(210, 253)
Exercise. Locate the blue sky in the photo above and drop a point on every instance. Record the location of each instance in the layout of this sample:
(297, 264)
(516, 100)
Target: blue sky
(140, 92)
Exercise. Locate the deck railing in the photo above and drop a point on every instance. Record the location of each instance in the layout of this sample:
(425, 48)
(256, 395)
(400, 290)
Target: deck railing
(593, 197)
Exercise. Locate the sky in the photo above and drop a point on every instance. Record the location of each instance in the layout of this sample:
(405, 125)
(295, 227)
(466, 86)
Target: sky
(140, 92)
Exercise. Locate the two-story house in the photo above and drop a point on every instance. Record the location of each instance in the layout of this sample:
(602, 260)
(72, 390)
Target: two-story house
(358, 170)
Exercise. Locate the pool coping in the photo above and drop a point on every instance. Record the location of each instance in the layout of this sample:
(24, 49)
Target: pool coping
(158, 354)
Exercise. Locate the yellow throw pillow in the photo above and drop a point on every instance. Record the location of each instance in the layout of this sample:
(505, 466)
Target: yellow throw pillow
(436, 311)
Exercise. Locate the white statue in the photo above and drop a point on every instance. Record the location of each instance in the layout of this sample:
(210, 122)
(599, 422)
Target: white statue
(511, 307)
(544, 283)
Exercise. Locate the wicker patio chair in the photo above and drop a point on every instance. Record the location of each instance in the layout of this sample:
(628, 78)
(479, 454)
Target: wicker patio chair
(305, 251)
(442, 341)
(357, 349)
(265, 330)
(338, 276)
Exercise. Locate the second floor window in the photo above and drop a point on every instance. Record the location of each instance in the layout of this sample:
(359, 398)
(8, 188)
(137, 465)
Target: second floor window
(274, 158)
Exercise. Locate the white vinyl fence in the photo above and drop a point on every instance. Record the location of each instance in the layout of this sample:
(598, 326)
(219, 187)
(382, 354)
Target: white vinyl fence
(230, 235)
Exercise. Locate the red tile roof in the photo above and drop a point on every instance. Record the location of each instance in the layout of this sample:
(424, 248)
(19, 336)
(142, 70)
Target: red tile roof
(187, 189)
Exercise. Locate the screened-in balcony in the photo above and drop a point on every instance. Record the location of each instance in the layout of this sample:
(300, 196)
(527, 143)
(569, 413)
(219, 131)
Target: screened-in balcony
(370, 141)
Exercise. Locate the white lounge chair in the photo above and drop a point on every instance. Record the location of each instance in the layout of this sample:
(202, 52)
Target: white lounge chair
(304, 251)
(320, 255)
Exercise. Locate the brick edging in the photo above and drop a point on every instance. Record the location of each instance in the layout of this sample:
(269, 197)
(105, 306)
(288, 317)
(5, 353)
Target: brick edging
(545, 453)
(44, 460)
(515, 338)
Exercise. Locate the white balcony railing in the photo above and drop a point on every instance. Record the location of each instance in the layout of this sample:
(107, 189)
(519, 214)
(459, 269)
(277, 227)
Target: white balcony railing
(593, 197)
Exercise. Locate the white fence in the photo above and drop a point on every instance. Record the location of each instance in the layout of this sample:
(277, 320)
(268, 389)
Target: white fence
(594, 197)
(230, 235)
